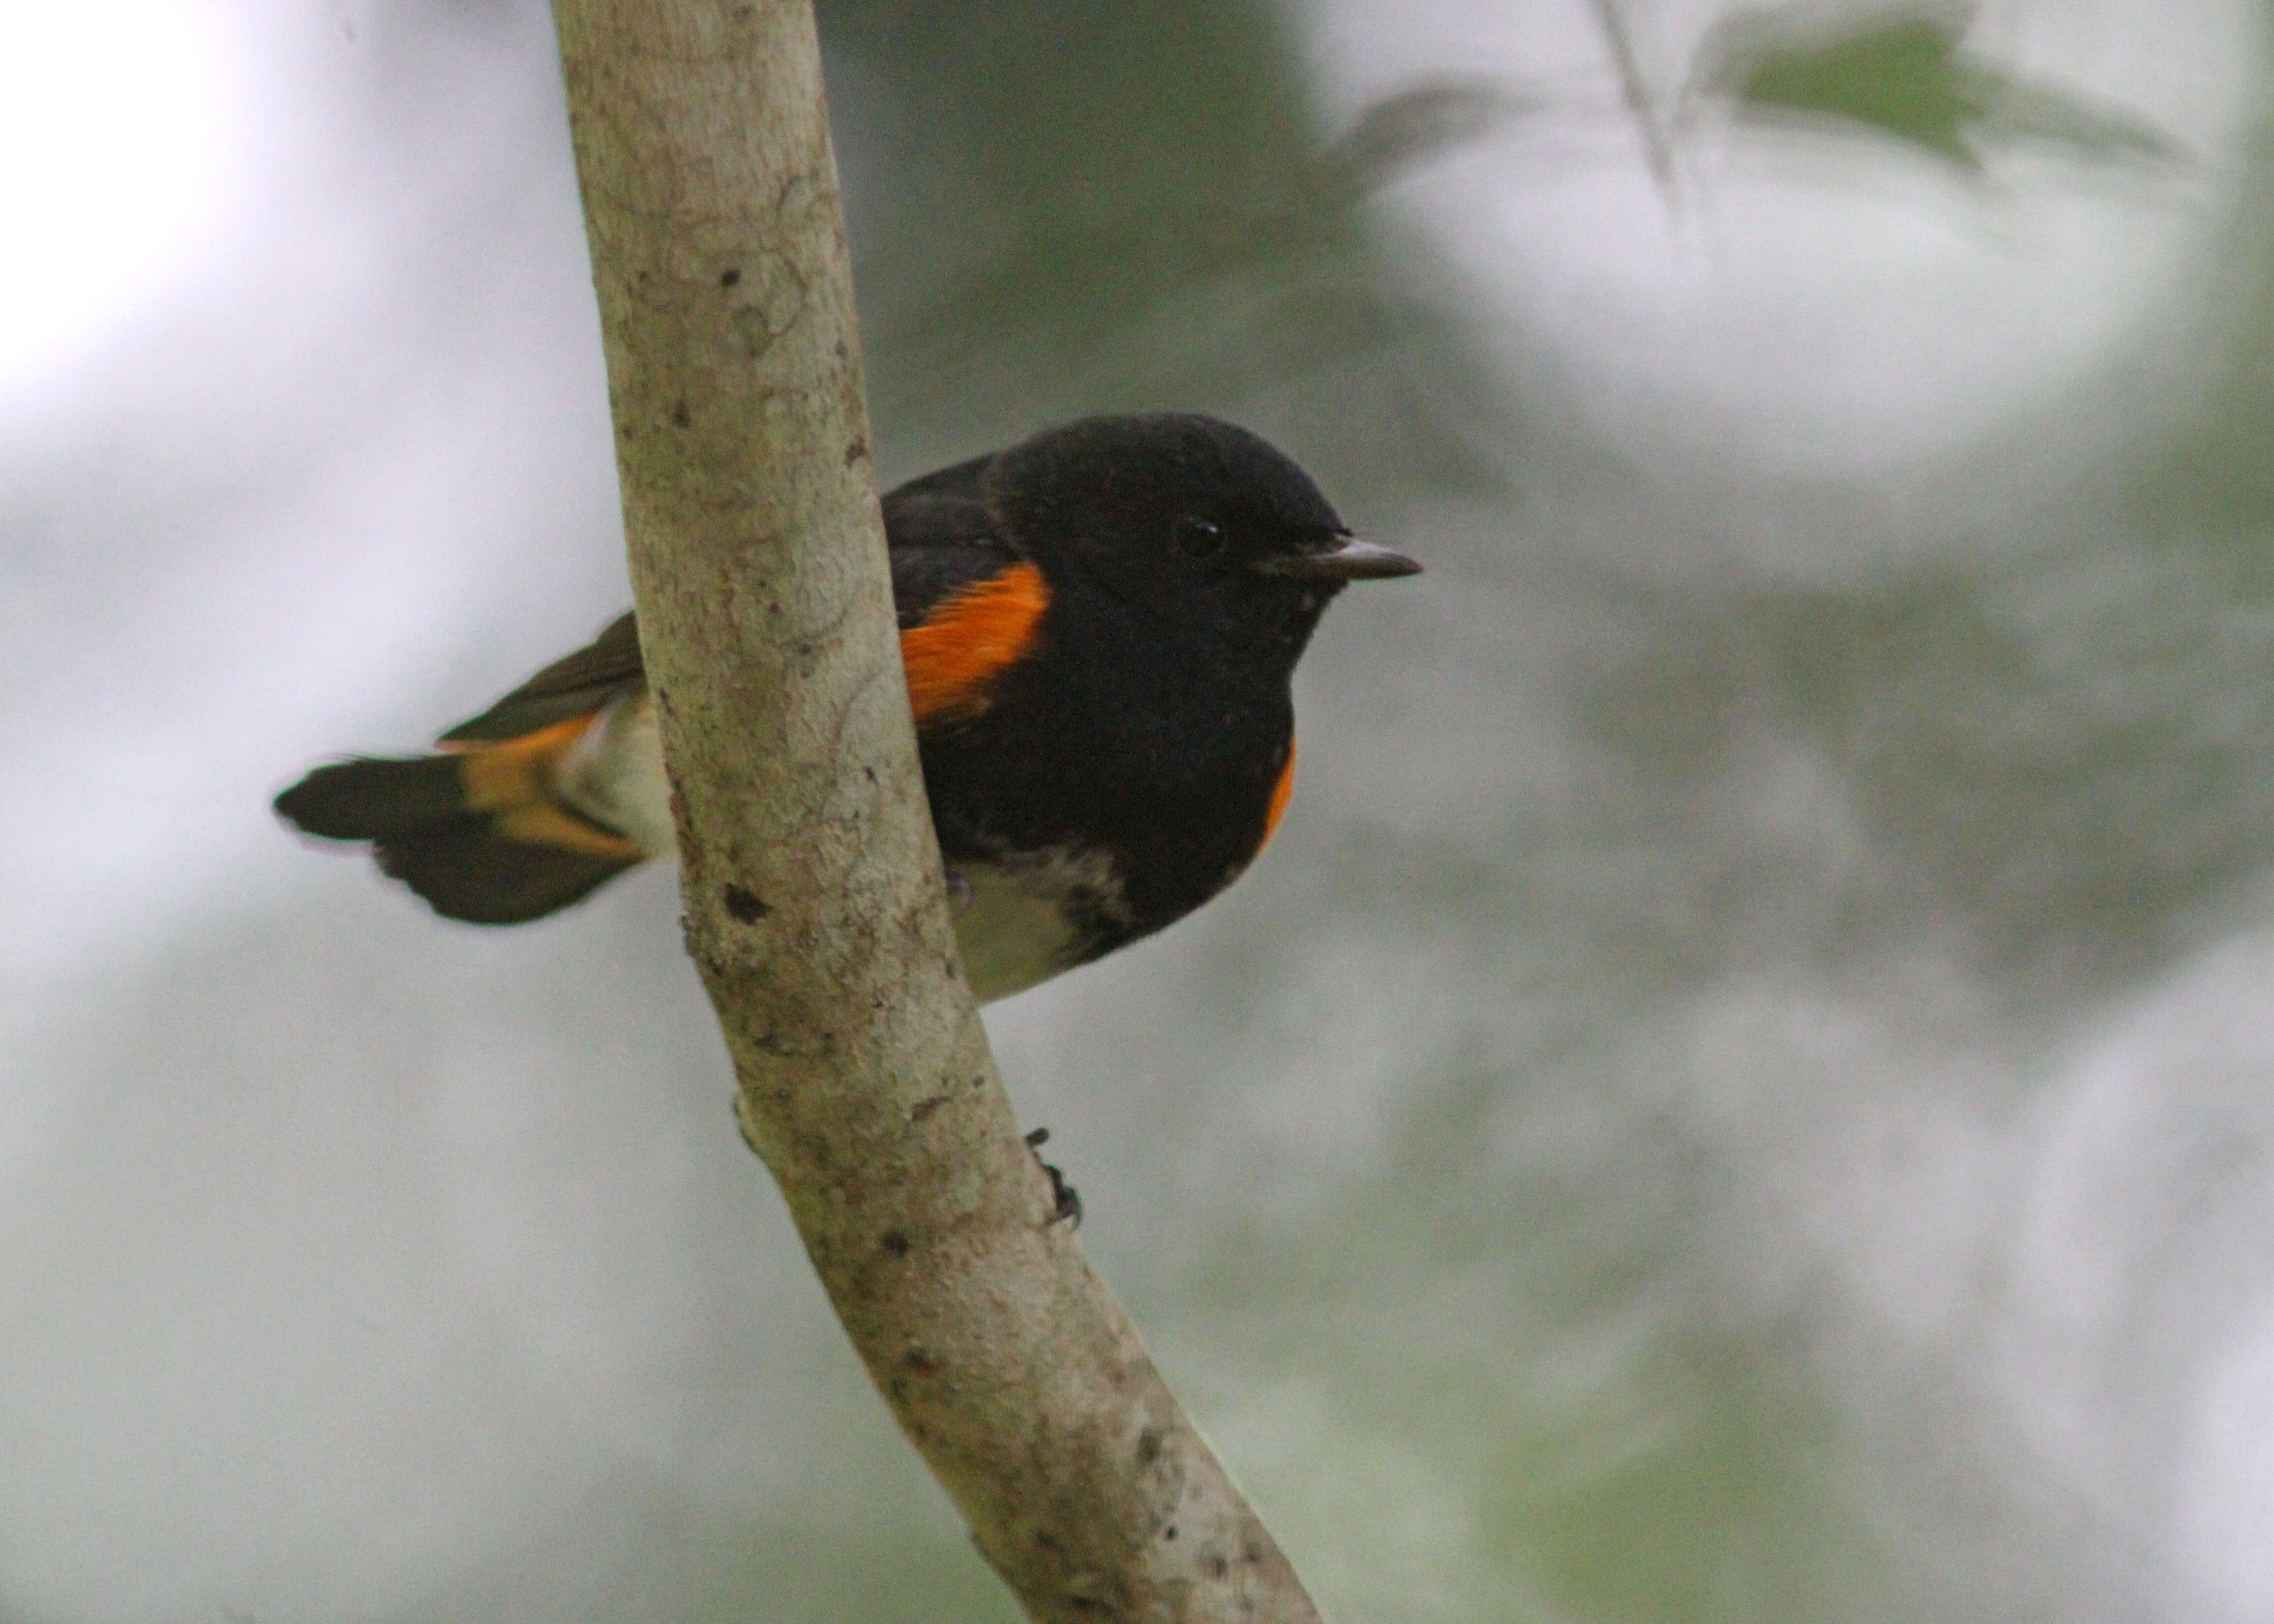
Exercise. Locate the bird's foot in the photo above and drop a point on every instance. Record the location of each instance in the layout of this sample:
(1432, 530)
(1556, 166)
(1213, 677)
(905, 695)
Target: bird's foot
(1065, 1199)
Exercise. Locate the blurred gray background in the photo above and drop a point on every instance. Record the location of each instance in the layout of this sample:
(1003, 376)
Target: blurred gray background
(1743, 1092)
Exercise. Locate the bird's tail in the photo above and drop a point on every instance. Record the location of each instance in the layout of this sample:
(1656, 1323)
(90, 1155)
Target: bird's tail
(480, 830)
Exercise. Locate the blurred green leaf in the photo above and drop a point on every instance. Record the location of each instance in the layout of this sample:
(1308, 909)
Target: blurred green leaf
(1907, 77)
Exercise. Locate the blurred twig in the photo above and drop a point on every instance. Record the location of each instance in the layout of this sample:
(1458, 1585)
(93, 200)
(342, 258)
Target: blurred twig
(1634, 90)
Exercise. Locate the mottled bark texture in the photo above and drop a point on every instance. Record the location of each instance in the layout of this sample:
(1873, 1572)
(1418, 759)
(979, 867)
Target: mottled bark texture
(813, 896)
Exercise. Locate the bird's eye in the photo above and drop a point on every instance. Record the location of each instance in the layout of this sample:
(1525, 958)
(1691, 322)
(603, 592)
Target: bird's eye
(1198, 537)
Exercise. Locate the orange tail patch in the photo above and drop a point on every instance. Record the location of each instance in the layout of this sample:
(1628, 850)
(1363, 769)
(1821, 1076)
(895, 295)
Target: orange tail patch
(977, 633)
(513, 779)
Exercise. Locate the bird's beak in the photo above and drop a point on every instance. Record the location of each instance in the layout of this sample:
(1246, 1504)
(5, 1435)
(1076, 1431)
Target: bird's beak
(1348, 558)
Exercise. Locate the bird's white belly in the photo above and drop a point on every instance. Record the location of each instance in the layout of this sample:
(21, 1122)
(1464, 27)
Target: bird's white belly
(1018, 919)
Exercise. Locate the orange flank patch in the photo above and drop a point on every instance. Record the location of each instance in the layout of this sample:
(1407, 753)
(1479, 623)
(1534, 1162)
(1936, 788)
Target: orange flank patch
(513, 778)
(1282, 793)
(954, 657)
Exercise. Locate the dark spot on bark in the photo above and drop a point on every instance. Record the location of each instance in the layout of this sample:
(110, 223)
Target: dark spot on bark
(1148, 1445)
(1168, 1533)
(979, 1082)
(896, 1242)
(729, 277)
(681, 415)
(841, 351)
(1216, 1566)
(854, 452)
(919, 1361)
(922, 1109)
(745, 906)
(1254, 1552)
(1047, 1540)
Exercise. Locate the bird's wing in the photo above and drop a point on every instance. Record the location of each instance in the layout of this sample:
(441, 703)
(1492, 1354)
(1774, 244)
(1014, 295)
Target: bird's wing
(577, 685)
(943, 542)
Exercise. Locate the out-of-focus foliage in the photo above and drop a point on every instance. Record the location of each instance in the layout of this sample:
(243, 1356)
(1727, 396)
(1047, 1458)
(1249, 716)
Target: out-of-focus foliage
(1085, 225)
(2217, 473)
(1907, 77)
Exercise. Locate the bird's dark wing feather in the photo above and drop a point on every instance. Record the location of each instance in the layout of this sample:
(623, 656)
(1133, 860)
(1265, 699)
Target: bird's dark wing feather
(576, 686)
(942, 537)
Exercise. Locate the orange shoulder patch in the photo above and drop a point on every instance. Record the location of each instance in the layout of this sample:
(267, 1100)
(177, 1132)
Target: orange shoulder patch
(970, 638)
(1282, 793)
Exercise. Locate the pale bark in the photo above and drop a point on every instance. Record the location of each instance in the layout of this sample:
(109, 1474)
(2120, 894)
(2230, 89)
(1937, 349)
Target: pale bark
(812, 889)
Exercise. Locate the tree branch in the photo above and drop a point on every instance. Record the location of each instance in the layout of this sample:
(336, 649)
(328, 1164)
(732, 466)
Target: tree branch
(814, 902)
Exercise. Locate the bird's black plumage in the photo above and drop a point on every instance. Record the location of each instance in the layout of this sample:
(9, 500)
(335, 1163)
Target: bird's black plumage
(1100, 626)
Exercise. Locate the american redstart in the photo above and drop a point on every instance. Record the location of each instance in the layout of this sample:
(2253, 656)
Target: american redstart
(1099, 626)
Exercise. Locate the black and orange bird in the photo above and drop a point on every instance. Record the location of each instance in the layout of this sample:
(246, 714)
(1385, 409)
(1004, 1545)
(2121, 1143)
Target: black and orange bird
(1099, 624)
